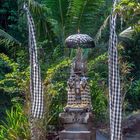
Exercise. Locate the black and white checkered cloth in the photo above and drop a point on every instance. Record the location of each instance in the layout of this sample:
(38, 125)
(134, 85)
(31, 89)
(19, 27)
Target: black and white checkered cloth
(114, 83)
(36, 90)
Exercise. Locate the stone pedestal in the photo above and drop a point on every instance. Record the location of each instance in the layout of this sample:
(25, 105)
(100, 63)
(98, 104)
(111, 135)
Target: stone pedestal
(77, 126)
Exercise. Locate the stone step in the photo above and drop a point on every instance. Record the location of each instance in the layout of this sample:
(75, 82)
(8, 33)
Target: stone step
(76, 135)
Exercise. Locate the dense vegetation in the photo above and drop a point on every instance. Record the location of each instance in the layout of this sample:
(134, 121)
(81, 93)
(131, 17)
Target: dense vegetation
(55, 20)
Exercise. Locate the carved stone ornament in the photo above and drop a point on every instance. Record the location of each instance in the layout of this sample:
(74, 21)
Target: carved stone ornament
(77, 86)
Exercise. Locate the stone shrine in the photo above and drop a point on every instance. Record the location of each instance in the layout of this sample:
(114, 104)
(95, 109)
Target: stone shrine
(77, 117)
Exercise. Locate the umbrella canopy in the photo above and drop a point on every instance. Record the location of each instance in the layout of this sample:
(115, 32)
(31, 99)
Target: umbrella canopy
(79, 40)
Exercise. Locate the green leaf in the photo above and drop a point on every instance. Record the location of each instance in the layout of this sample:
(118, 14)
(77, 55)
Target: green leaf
(8, 37)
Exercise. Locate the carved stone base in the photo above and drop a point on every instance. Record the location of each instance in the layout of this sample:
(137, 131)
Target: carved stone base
(77, 126)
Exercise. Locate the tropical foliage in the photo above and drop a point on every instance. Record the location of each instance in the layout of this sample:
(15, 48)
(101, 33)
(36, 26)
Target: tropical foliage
(15, 125)
(54, 21)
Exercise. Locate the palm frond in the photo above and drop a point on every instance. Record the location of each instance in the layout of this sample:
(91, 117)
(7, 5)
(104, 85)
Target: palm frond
(127, 33)
(7, 38)
(45, 25)
(59, 13)
(37, 8)
(74, 13)
(82, 15)
(58, 8)
(99, 33)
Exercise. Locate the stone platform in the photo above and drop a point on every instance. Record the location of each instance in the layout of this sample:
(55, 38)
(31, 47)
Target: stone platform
(77, 126)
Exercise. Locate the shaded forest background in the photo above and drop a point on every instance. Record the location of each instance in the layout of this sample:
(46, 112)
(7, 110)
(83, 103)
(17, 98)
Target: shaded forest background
(55, 20)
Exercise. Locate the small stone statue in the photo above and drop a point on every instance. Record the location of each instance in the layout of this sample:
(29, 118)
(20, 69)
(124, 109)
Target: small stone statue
(78, 88)
(85, 93)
